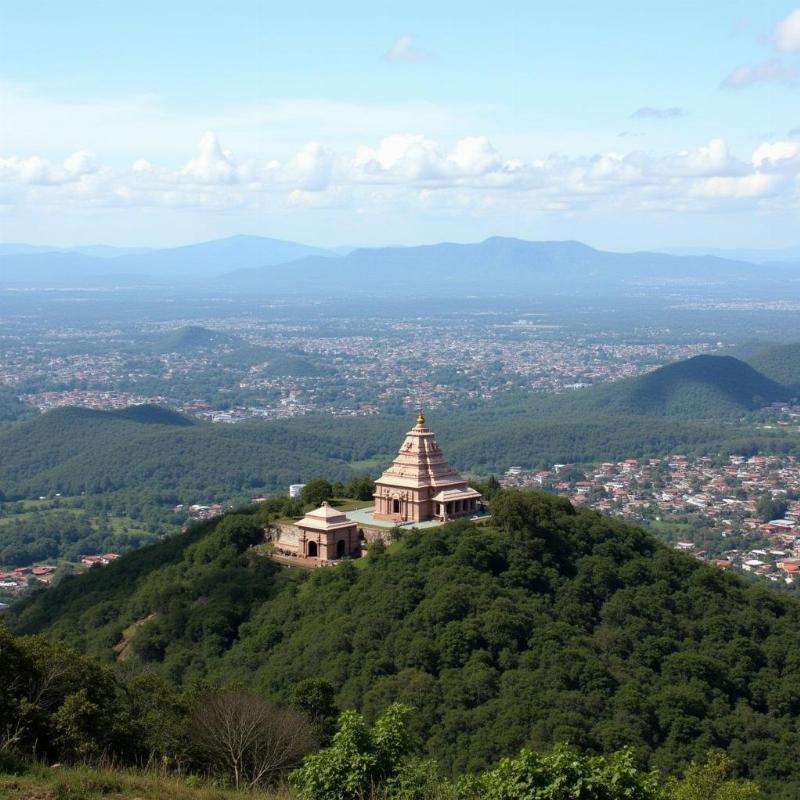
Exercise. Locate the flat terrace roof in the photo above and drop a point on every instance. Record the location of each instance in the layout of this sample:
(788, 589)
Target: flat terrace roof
(363, 516)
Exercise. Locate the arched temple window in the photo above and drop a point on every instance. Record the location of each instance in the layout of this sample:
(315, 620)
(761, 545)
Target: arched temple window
(312, 550)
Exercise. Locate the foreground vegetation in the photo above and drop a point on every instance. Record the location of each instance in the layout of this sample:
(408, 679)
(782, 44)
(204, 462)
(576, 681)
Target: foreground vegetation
(552, 625)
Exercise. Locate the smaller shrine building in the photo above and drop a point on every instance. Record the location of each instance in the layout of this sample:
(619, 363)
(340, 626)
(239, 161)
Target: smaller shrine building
(325, 534)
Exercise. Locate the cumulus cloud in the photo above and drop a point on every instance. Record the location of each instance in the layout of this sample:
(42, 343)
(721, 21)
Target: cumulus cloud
(406, 170)
(773, 153)
(647, 112)
(771, 71)
(212, 164)
(786, 34)
(404, 49)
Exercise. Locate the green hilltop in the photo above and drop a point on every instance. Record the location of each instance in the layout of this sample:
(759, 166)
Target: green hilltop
(780, 363)
(702, 387)
(551, 624)
(193, 337)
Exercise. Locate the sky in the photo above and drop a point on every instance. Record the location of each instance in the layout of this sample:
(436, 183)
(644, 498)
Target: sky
(626, 125)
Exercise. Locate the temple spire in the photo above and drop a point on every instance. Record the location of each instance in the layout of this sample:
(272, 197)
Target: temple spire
(420, 419)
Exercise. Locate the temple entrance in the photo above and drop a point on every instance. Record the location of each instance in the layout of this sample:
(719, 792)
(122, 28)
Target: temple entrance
(340, 548)
(312, 550)
(395, 506)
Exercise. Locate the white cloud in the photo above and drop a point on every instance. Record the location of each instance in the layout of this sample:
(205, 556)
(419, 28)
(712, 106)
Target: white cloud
(786, 34)
(772, 153)
(311, 168)
(647, 112)
(748, 186)
(213, 164)
(81, 163)
(770, 71)
(404, 49)
(408, 170)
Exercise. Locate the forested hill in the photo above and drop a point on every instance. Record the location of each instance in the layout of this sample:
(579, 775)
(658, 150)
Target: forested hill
(73, 450)
(706, 387)
(551, 624)
(192, 338)
(780, 363)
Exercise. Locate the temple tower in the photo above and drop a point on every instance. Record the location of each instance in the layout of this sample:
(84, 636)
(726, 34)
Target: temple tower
(420, 485)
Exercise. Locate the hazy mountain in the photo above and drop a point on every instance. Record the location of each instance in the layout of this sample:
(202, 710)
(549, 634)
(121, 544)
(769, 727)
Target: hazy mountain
(502, 265)
(754, 256)
(197, 261)
(107, 251)
(13, 249)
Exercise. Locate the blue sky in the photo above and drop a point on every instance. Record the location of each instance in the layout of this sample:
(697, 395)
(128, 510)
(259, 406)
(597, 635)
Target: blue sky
(626, 125)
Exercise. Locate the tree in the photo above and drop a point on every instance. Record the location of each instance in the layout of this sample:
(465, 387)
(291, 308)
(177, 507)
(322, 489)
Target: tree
(245, 737)
(314, 697)
(360, 759)
(360, 489)
(770, 507)
(317, 491)
(712, 781)
(563, 774)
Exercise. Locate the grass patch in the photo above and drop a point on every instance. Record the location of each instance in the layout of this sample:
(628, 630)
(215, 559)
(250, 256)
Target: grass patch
(88, 783)
(370, 464)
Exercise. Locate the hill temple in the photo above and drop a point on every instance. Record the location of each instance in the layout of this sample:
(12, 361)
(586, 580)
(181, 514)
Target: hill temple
(420, 485)
(419, 489)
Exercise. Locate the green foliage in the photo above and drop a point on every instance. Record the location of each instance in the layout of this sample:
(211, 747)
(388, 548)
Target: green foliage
(781, 363)
(359, 758)
(57, 704)
(315, 697)
(73, 450)
(712, 781)
(316, 491)
(550, 624)
(770, 507)
(563, 775)
(11, 408)
(360, 489)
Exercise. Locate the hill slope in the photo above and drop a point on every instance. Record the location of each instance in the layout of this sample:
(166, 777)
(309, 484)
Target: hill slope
(780, 363)
(75, 450)
(553, 624)
(192, 338)
(703, 387)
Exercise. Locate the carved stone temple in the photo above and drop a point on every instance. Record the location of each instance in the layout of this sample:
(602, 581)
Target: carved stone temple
(420, 485)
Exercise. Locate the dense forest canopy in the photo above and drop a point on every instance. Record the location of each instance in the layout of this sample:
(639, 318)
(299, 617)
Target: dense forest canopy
(553, 624)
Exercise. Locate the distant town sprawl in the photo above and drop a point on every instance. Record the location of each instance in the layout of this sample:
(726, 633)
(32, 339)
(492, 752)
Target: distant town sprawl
(739, 513)
(287, 362)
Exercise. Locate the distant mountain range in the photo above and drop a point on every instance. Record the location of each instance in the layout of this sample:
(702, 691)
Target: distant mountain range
(504, 266)
(23, 263)
(496, 265)
(754, 256)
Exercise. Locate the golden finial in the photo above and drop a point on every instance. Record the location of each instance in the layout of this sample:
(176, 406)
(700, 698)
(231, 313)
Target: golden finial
(421, 419)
